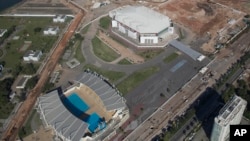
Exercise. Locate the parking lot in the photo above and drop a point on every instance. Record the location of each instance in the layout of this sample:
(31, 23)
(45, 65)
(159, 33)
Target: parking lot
(161, 86)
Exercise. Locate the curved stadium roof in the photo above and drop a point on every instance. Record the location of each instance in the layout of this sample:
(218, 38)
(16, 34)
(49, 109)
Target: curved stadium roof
(109, 96)
(55, 113)
(58, 116)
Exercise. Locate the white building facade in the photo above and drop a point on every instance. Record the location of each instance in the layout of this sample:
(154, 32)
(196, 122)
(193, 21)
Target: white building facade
(142, 24)
(2, 32)
(59, 18)
(51, 31)
(230, 114)
(32, 56)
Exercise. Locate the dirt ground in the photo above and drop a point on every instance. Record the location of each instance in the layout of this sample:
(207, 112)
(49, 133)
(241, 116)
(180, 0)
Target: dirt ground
(120, 49)
(198, 15)
(93, 101)
(42, 135)
(201, 17)
(241, 5)
(19, 118)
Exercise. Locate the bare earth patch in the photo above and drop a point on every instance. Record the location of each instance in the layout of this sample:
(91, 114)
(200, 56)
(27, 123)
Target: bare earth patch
(201, 17)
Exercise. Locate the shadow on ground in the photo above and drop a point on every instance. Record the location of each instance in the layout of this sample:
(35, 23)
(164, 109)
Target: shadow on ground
(207, 107)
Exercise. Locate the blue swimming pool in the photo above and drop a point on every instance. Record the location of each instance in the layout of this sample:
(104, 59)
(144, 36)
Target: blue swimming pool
(75, 104)
(95, 122)
(78, 107)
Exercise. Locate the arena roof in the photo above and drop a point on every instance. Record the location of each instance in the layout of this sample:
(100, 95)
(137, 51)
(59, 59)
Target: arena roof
(140, 19)
(109, 95)
(58, 116)
(54, 112)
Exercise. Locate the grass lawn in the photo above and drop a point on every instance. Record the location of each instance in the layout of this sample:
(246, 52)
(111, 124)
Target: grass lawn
(102, 51)
(105, 22)
(149, 54)
(7, 22)
(85, 29)
(78, 52)
(171, 57)
(5, 105)
(5, 108)
(135, 79)
(1, 52)
(26, 30)
(111, 75)
(26, 130)
(124, 62)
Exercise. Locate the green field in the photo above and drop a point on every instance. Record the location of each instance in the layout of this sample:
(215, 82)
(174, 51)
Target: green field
(85, 29)
(1, 52)
(26, 129)
(29, 29)
(78, 52)
(124, 62)
(102, 51)
(171, 57)
(5, 105)
(135, 79)
(7, 22)
(105, 22)
(111, 75)
(149, 54)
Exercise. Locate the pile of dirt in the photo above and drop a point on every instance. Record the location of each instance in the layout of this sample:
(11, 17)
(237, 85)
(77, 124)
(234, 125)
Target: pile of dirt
(206, 7)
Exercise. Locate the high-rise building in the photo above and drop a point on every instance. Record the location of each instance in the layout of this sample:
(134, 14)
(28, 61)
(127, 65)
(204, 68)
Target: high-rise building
(230, 114)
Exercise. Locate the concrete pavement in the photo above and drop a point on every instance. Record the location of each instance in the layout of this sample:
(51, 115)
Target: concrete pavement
(176, 105)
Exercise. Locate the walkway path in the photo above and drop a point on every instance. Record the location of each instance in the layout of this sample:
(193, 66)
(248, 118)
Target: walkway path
(120, 49)
(92, 59)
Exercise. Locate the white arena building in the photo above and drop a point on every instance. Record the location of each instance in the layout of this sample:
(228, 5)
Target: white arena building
(142, 24)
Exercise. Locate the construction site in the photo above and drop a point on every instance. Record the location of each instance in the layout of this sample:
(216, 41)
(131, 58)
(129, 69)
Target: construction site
(241, 5)
(204, 17)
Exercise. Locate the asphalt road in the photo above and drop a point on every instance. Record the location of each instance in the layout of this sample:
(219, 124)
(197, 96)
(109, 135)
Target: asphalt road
(147, 94)
(156, 84)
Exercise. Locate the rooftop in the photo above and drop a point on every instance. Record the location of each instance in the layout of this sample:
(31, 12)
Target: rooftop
(231, 109)
(58, 116)
(2, 30)
(109, 96)
(60, 16)
(141, 19)
(32, 53)
(22, 82)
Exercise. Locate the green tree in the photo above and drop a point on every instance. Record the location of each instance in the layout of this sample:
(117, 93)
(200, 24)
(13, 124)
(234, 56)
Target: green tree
(48, 86)
(29, 69)
(37, 30)
(242, 84)
(32, 82)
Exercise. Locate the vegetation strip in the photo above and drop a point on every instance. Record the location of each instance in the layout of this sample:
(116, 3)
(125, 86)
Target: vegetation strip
(105, 22)
(102, 51)
(135, 79)
(171, 57)
(111, 75)
(124, 62)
